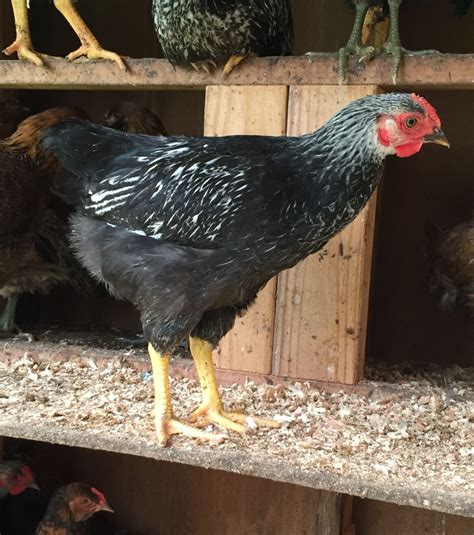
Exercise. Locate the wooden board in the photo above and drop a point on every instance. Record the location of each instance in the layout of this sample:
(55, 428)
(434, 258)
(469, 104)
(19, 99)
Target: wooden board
(373, 517)
(170, 499)
(322, 304)
(248, 110)
(453, 71)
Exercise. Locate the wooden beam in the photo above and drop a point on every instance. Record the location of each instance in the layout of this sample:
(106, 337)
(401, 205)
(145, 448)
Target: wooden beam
(328, 515)
(248, 110)
(322, 304)
(435, 71)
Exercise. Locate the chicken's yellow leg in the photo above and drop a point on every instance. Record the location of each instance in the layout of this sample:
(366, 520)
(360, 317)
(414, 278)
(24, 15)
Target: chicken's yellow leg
(211, 407)
(232, 62)
(166, 425)
(22, 44)
(90, 47)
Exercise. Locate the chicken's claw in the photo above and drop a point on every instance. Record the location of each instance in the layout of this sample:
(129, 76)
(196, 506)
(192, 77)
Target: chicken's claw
(92, 51)
(24, 51)
(165, 427)
(234, 421)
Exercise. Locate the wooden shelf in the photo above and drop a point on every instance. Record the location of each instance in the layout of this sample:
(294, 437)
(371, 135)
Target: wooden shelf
(252, 463)
(434, 71)
(422, 491)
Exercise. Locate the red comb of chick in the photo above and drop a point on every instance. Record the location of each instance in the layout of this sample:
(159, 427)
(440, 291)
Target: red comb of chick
(99, 495)
(432, 114)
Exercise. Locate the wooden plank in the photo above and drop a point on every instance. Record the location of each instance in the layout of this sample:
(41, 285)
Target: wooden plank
(172, 499)
(347, 525)
(322, 304)
(420, 492)
(375, 518)
(328, 516)
(436, 71)
(248, 110)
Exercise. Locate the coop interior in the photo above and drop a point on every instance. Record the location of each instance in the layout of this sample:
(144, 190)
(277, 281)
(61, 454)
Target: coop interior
(410, 341)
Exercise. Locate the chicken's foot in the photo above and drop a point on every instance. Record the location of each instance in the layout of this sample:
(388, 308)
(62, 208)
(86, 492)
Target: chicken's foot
(8, 326)
(90, 47)
(354, 44)
(205, 65)
(7, 319)
(232, 62)
(166, 424)
(211, 407)
(22, 44)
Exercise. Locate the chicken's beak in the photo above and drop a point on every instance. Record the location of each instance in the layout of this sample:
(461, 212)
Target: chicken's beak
(106, 507)
(438, 137)
(33, 485)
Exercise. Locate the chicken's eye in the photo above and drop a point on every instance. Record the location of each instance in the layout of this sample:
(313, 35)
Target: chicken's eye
(85, 501)
(411, 122)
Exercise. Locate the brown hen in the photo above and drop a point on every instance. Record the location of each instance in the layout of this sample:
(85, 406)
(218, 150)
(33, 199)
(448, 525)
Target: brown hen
(134, 118)
(34, 251)
(70, 507)
(451, 259)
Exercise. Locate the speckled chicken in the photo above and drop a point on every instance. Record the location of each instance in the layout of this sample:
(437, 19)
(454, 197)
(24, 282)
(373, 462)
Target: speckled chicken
(34, 252)
(206, 32)
(134, 118)
(70, 507)
(451, 264)
(190, 229)
(23, 45)
(392, 44)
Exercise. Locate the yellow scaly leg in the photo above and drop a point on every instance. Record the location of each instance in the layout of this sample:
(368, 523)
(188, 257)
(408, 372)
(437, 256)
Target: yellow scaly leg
(166, 425)
(22, 44)
(90, 47)
(211, 407)
(232, 62)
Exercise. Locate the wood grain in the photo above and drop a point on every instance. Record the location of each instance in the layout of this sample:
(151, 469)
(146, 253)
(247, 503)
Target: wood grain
(322, 304)
(248, 110)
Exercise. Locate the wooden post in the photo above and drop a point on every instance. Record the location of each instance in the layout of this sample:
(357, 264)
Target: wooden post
(248, 110)
(322, 304)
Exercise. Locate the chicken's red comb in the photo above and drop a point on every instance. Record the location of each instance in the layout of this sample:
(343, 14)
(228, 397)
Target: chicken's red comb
(99, 495)
(432, 114)
(28, 473)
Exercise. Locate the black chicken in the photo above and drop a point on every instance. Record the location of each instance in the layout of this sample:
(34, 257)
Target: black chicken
(203, 32)
(134, 118)
(190, 229)
(451, 263)
(34, 252)
(392, 45)
(23, 46)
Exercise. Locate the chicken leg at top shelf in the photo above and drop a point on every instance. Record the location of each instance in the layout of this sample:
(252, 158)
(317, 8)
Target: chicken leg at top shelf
(90, 47)
(22, 44)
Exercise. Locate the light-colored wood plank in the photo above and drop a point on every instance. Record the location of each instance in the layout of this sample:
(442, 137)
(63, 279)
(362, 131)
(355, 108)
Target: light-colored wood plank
(322, 303)
(248, 110)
